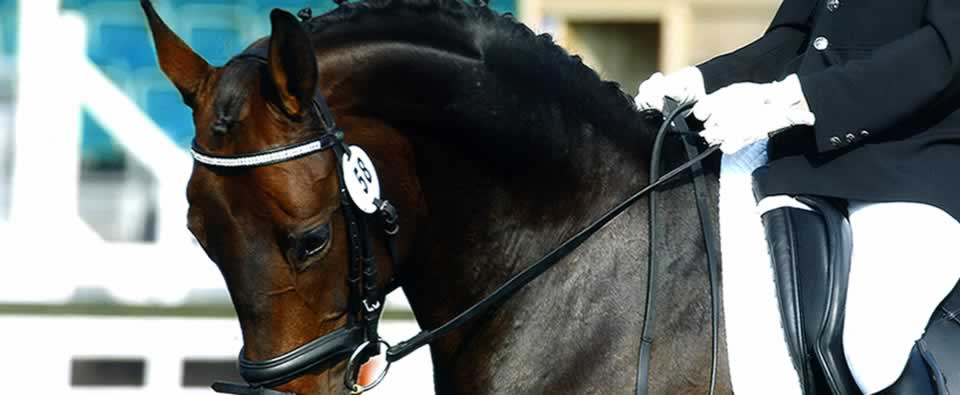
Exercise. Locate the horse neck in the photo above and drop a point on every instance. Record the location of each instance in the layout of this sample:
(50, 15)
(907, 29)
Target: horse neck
(482, 229)
(484, 215)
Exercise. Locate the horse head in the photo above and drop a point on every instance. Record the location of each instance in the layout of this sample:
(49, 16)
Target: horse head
(277, 232)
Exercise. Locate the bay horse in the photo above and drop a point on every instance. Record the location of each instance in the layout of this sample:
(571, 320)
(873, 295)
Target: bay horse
(494, 145)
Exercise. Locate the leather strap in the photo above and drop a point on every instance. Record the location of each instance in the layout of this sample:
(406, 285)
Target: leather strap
(334, 346)
(710, 239)
(243, 389)
(372, 302)
(699, 189)
(266, 157)
(650, 308)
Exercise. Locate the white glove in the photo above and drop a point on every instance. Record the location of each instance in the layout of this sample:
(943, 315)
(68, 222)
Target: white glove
(685, 86)
(744, 113)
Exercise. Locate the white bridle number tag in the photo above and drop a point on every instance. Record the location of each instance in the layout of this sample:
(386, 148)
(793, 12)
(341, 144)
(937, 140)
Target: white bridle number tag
(361, 178)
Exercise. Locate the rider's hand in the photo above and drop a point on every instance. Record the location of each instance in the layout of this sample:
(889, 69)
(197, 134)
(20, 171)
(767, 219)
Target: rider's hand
(744, 113)
(685, 86)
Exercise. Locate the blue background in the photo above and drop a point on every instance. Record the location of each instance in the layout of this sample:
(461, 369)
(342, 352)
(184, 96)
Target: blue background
(120, 44)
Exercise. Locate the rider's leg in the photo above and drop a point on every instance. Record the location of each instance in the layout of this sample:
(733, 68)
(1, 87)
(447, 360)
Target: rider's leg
(904, 263)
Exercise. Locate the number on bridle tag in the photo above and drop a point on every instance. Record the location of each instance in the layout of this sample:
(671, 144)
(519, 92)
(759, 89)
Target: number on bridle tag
(361, 178)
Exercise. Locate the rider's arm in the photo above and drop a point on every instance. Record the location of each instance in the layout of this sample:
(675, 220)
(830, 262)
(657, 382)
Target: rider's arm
(916, 72)
(764, 59)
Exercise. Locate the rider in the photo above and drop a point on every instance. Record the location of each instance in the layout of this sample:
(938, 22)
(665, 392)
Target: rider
(864, 98)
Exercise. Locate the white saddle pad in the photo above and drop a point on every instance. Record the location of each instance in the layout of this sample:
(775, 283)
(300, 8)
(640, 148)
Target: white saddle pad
(759, 360)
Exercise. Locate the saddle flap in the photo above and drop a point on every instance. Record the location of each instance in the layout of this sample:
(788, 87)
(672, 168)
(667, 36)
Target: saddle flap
(760, 176)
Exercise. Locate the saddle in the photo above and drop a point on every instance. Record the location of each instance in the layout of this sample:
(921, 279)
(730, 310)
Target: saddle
(810, 248)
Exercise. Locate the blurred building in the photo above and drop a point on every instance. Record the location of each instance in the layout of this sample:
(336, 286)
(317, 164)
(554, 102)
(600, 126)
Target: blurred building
(627, 40)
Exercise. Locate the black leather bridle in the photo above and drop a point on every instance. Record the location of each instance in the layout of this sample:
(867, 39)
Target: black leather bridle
(359, 340)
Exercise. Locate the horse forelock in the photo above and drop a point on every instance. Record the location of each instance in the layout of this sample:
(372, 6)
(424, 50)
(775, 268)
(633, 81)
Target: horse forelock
(232, 93)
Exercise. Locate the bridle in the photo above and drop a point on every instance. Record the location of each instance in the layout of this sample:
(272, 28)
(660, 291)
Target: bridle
(358, 340)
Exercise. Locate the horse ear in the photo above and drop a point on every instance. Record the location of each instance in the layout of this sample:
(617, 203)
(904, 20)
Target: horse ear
(178, 61)
(293, 65)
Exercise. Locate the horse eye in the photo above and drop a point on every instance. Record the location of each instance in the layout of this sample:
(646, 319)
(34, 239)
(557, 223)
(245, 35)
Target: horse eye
(312, 242)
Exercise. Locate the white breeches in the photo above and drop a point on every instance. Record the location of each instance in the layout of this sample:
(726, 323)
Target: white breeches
(904, 263)
(902, 267)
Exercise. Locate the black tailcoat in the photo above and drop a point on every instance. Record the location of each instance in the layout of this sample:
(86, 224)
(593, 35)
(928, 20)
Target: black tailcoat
(881, 76)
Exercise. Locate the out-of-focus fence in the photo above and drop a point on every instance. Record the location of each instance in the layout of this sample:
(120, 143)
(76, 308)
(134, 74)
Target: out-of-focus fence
(46, 238)
(140, 356)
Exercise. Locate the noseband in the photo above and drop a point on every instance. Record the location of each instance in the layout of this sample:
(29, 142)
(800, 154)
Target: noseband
(359, 340)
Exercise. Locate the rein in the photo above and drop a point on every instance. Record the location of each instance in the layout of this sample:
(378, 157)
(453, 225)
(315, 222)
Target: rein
(360, 334)
(533, 271)
(713, 251)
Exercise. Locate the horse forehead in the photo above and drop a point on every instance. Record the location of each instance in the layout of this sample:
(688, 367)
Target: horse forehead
(298, 189)
(234, 102)
(235, 86)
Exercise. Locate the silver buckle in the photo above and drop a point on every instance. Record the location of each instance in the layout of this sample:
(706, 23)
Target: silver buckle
(352, 374)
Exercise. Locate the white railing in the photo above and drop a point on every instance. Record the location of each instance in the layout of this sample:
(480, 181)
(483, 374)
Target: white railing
(48, 251)
(45, 237)
(39, 352)
(55, 79)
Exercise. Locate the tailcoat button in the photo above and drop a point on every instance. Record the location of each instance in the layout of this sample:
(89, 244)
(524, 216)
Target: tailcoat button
(864, 134)
(821, 43)
(835, 141)
(850, 137)
(833, 5)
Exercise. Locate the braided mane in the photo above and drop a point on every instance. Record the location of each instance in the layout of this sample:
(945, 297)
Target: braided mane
(533, 63)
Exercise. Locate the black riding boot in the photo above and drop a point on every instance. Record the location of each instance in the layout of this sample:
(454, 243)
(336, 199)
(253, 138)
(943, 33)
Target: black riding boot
(787, 229)
(810, 253)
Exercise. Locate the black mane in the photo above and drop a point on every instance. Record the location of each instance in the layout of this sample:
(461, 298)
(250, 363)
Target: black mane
(519, 58)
